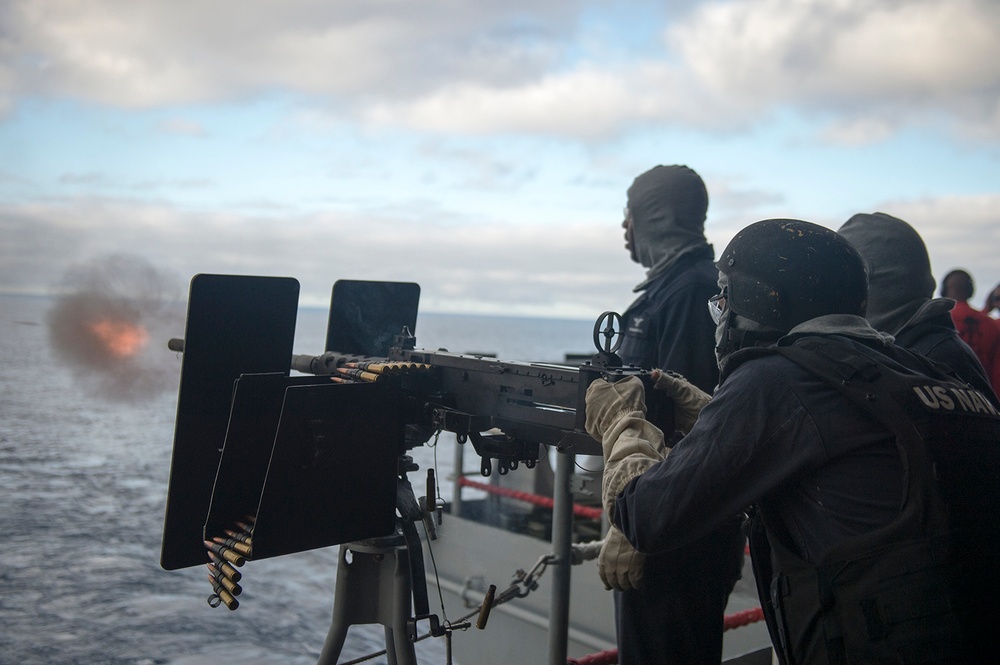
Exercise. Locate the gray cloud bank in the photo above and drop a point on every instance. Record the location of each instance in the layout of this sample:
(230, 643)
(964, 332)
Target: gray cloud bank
(867, 67)
(559, 270)
(562, 271)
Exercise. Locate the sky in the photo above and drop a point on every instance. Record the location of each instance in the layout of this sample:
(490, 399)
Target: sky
(480, 149)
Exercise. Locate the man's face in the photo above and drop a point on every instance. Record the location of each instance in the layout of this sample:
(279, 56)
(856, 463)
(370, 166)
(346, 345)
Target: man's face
(627, 224)
(957, 287)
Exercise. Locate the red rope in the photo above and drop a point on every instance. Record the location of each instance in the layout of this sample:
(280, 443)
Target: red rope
(536, 499)
(744, 618)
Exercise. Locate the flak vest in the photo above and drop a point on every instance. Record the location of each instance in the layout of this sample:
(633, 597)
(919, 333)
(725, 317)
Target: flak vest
(924, 588)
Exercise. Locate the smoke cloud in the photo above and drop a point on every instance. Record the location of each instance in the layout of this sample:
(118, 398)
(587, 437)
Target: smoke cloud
(110, 327)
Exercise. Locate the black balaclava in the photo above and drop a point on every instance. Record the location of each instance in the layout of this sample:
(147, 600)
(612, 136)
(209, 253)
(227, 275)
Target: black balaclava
(899, 271)
(668, 206)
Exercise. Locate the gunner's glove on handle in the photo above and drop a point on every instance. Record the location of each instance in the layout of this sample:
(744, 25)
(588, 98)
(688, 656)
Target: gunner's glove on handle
(688, 399)
(619, 564)
(616, 417)
(608, 403)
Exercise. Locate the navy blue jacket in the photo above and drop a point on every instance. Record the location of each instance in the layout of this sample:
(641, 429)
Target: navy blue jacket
(937, 338)
(773, 434)
(669, 327)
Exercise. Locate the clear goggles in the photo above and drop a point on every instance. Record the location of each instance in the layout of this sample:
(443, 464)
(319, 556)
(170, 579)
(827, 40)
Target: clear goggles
(717, 306)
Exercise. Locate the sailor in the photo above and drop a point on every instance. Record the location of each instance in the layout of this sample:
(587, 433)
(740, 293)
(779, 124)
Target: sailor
(900, 295)
(671, 609)
(667, 326)
(872, 479)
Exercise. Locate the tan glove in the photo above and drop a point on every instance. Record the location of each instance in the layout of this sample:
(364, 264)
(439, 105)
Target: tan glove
(607, 403)
(688, 399)
(619, 564)
(631, 444)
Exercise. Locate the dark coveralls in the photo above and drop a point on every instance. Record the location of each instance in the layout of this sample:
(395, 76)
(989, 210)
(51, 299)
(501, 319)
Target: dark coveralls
(819, 467)
(677, 613)
(938, 339)
(668, 326)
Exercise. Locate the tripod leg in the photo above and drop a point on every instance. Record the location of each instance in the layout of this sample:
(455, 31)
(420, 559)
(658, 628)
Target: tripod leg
(337, 634)
(333, 645)
(378, 586)
(398, 648)
(375, 587)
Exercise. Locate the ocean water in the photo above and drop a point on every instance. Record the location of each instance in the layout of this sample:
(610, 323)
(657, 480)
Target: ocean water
(84, 463)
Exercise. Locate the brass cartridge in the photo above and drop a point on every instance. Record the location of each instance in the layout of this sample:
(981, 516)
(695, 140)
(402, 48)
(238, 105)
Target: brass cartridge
(359, 374)
(377, 368)
(242, 537)
(229, 555)
(224, 567)
(231, 586)
(224, 595)
(233, 544)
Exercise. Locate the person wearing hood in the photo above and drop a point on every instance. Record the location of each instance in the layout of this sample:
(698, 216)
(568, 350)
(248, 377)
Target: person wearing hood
(671, 609)
(900, 295)
(665, 233)
(870, 476)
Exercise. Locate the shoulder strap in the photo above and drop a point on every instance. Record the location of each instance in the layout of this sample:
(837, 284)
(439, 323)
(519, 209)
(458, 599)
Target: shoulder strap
(737, 358)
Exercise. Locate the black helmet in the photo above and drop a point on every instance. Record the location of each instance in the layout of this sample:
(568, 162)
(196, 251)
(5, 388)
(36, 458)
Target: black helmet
(782, 272)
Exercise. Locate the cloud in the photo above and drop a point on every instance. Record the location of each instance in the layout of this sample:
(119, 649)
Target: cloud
(959, 231)
(588, 102)
(563, 269)
(151, 54)
(868, 68)
(876, 63)
(549, 270)
(858, 131)
(523, 67)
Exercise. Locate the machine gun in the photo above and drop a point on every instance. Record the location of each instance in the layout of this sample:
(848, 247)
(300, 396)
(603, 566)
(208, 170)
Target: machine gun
(525, 404)
(267, 463)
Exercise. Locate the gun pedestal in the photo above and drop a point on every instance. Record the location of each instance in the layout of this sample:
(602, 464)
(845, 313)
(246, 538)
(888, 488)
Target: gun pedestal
(373, 586)
(381, 580)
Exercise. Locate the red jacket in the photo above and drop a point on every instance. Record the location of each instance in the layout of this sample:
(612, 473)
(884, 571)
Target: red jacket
(982, 333)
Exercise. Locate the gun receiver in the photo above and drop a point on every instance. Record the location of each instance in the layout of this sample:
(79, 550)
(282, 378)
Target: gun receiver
(505, 408)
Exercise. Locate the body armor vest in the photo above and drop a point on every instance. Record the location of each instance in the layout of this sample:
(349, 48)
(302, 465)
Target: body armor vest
(924, 588)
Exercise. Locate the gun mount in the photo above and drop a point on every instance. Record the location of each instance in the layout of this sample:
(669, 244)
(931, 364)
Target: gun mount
(293, 451)
(269, 462)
